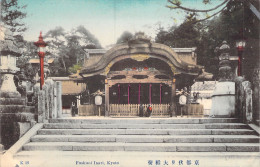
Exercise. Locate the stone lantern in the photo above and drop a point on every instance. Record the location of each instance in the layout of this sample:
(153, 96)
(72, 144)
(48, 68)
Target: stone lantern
(9, 53)
(15, 116)
(223, 97)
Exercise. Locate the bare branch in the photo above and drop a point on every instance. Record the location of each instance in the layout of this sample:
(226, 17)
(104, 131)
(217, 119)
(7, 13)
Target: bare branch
(178, 6)
(200, 20)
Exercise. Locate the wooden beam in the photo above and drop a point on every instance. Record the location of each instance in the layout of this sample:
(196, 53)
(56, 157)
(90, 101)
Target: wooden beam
(133, 80)
(132, 73)
(106, 99)
(173, 99)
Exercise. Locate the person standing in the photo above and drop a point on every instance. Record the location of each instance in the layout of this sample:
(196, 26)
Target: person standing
(149, 110)
(73, 109)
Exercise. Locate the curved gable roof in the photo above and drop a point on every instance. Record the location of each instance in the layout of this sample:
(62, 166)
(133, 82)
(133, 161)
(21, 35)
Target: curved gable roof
(140, 47)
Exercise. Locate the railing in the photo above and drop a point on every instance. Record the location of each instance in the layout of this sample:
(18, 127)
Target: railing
(133, 109)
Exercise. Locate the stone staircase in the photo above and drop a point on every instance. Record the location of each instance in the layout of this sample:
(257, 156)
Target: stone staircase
(144, 135)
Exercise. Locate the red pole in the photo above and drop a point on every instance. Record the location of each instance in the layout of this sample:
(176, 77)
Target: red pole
(128, 93)
(118, 93)
(41, 55)
(239, 66)
(160, 93)
(139, 90)
(150, 93)
(41, 45)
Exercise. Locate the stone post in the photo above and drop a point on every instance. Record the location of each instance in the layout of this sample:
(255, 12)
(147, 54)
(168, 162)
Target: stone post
(59, 99)
(50, 84)
(46, 88)
(256, 95)
(247, 102)
(239, 96)
(47, 101)
(54, 106)
(223, 98)
(41, 106)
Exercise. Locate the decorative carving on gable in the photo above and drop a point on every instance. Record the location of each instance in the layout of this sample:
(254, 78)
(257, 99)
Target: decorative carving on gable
(140, 57)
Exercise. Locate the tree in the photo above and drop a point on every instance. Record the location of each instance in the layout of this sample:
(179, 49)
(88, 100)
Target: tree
(56, 39)
(87, 39)
(68, 48)
(29, 50)
(75, 68)
(207, 13)
(125, 37)
(12, 14)
(166, 36)
(235, 20)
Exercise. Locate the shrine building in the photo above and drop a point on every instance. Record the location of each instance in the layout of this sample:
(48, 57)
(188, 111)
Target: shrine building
(138, 72)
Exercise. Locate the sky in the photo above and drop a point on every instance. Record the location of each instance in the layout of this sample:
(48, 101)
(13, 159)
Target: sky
(105, 19)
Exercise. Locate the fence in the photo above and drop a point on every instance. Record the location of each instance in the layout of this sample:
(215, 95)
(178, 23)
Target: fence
(133, 109)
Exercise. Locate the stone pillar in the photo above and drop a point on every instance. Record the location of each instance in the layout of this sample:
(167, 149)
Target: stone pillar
(41, 106)
(50, 83)
(239, 96)
(247, 102)
(54, 106)
(106, 99)
(46, 88)
(46, 102)
(59, 99)
(256, 95)
(224, 92)
(173, 99)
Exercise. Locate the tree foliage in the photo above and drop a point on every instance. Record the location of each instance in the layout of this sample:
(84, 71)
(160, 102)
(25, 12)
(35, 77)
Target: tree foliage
(68, 48)
(12, 14)
(125, 37)
(234, 21)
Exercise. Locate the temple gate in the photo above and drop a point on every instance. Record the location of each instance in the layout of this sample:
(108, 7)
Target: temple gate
(141, 72)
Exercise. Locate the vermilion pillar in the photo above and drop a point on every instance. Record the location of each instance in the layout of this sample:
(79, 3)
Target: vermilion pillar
(41, 53)
(139, 93)
(118, 93)
(128, 93)
(150, 93)
(160, 93)
(239, 67)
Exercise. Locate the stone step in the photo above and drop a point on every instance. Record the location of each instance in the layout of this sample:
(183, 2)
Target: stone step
(146, 126)
(12, 101)
(144, 120)
(125, 158)
(12, 108)
(155, 147)
(146, 132)
(148, 138)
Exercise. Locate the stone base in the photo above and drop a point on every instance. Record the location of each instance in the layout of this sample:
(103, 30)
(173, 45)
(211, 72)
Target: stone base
(12, 101)
(1, 148)
(223, 100)
(15, 120)
(12, 131)
(10, 94)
